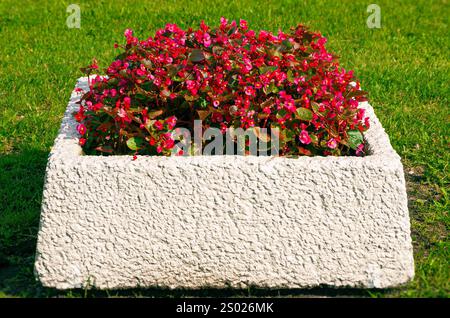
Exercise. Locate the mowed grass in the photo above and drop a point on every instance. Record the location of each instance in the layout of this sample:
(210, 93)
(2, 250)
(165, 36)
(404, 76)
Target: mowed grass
(404, 66)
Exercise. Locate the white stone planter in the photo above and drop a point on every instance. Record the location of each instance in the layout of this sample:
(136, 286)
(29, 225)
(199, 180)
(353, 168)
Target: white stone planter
(219, 221)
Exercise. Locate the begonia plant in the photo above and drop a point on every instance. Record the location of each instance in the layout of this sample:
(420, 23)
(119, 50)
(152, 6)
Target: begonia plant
(227, 76)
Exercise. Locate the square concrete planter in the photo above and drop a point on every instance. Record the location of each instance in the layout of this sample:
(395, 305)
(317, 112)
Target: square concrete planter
(220, 221)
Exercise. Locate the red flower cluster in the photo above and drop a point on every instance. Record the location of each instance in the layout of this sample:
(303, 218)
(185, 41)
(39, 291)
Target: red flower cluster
(229, 76)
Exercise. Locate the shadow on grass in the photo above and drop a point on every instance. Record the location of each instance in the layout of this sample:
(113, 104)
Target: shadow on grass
(23, 284)
(226, 292)
(21, 185)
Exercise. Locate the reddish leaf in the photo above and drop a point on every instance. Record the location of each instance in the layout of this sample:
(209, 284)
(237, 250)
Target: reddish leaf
(196, 56)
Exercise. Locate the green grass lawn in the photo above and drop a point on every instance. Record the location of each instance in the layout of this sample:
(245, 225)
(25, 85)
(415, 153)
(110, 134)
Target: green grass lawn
(404, 66)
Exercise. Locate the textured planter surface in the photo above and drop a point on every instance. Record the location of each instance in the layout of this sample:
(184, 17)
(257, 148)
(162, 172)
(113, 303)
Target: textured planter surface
(220, 221)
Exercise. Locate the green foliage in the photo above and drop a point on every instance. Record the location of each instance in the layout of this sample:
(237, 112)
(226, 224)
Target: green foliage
(355, 138)
(304, 113)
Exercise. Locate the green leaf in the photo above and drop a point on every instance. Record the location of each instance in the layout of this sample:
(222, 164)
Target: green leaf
(287, 44)
(155, 113)
(147, 63)
(281, 113)
(134, 143)
(265, 69)
(355, 138)
(314, 138)
(140, 96)
(217, 50)
(315, 107)
(172, 70)
(275, 52)
(231, 31)
(290, 135)
(196, 56)
(121, 56)
(272, 88)
(304, 114)
(290, 76)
